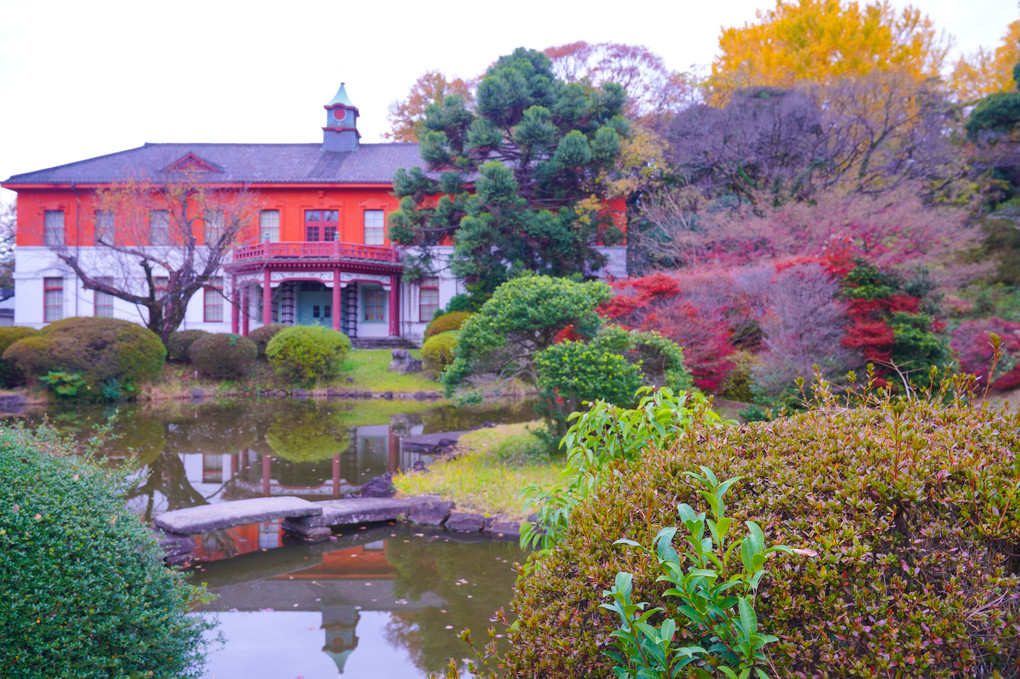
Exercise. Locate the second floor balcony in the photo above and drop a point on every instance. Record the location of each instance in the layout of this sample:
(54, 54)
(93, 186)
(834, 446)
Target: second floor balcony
(318, 251)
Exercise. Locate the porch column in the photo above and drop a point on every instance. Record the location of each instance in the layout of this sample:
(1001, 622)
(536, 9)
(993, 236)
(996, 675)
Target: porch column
(267, 298)
(336, 300)
(395, 305)
(245, 309)
(235, 305)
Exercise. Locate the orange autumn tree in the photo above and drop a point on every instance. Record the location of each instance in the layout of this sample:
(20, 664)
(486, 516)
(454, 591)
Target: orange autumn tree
(987, 71)
(407, 115)
(824, 41)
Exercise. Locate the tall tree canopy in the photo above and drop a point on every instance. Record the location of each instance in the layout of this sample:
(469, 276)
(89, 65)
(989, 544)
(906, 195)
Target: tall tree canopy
(823, 41)
(986, 71)
(520, 183)
(407, 116)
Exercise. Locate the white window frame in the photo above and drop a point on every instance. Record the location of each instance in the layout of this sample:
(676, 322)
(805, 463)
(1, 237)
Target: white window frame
(375, 227)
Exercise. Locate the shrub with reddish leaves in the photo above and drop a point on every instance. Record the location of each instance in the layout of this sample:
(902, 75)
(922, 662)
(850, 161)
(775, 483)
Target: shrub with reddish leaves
(973, 349)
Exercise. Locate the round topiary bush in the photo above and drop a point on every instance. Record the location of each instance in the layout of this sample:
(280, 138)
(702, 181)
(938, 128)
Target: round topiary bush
(10, 375)
(437, 353)
(261, 337)
(86, 592)
(306, 353)
(446, 323)
(179, 343)
(910, 506)
(223, 356)
(109, 356)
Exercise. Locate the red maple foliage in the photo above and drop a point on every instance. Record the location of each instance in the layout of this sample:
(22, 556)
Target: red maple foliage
(973, 348)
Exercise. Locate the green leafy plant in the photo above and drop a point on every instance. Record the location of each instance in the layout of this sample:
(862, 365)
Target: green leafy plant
(437, 353)
(63, 383)
(451, 320)
(179, 343)
(600, 436)
(223, 356)
(715, 585)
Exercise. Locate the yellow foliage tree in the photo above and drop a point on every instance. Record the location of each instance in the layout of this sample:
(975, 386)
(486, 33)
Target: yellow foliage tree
(823, 41)
(985, 72)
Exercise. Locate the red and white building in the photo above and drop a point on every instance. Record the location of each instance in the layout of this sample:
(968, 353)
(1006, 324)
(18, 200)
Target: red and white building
(318, 254)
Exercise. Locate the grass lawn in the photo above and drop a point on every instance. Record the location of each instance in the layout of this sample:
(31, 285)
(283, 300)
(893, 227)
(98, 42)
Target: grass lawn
(491, 469)
(368, 369)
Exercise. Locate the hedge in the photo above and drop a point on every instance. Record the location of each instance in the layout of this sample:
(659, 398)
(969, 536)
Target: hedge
(912, 508)
(10, 374)
(179, 344)
(223, 356)
(437, 353)
(304, 354)
(86, 593)
(446, 323)
(262, 335)
(109, 356)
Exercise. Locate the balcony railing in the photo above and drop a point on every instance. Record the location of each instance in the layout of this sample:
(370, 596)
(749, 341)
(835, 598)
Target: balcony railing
(313, 250)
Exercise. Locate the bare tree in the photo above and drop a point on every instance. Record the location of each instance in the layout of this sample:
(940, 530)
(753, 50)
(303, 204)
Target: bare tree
(158, 243)
(8, 224)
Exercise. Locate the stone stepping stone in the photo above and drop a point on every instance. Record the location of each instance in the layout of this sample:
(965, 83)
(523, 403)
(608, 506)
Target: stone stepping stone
(206, 518)
(346, 512)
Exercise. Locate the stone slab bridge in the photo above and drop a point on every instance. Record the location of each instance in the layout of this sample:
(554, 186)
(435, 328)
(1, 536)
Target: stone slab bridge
(308, 519)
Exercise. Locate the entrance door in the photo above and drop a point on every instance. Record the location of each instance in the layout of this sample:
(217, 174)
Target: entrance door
(315, 305)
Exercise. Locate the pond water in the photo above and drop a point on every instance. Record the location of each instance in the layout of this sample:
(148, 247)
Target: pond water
(383, 601)
(189, 454)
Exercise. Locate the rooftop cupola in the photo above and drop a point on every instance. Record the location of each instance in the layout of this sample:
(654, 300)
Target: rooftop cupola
(341, 130)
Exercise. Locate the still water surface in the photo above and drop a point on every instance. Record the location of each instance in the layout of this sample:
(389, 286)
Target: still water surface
(377, 602)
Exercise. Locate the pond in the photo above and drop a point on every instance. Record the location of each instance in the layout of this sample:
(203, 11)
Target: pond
(382, 601)
(189, 454)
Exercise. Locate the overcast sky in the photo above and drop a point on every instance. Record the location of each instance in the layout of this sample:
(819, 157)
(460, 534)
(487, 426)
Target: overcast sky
(81, 79)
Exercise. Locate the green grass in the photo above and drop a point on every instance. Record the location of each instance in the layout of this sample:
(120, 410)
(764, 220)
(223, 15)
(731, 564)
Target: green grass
(489, 473)
(369, 370)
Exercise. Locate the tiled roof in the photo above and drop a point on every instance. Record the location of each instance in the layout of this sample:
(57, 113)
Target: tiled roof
(239, 163)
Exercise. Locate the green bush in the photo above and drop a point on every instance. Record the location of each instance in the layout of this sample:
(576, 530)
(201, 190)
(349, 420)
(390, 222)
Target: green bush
(179, 343)
(86, 593)
(112, 356)
(307, 353)
(907, 513)
(10, 375)
(462, 302)
(261, 337)
(660, 359)
(223, 356)
(437, 353)
(446, 323)
(570, 373)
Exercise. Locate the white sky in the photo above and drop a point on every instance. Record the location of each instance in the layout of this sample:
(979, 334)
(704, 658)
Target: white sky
(81, 79)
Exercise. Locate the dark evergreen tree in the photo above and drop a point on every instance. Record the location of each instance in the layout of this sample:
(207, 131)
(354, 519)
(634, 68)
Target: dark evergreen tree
(520, 182)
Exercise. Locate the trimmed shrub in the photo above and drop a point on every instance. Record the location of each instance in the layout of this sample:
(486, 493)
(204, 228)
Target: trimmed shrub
(909, 506)
(261, 337)
(10, 374)
(462, 302)
(437, 353)
(112, 356)
(446, 323)
(570, 373)
(179, 344)
(661, 359)
(86, 593)
(223, 356)
(307, 353)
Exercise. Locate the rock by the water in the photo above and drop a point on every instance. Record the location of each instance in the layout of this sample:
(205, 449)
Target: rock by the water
(466, 522)
(380, 486)
(429, 510)
(404, 363)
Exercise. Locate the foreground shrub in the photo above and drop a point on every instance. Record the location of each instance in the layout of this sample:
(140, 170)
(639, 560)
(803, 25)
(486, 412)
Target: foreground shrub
(307, 353)
(446, 323)
(223, 356)
(437, 353)
(911, 507)
(86, 593)
(179, 344)
(112, 357)
(10, 374)
(261, 337)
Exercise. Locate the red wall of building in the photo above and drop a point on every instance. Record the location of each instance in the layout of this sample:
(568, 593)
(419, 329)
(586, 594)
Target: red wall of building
(79, 206)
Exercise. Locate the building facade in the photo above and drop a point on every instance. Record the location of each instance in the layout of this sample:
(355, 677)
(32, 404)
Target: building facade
(316, 252)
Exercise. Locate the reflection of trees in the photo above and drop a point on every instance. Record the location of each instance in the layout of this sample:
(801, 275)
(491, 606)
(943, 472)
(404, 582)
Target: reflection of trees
(165, 476)
(212, 427)
(457, 418)
(308, 431)
(440, 567)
